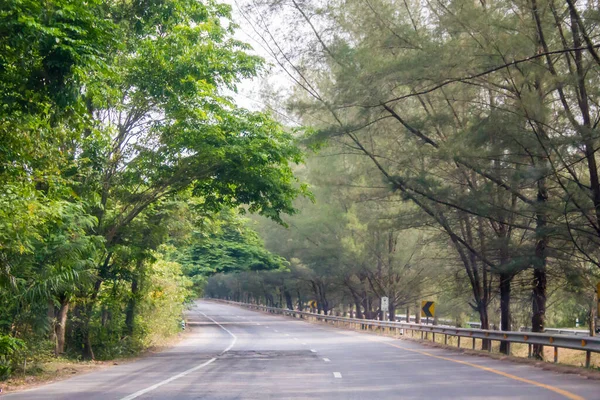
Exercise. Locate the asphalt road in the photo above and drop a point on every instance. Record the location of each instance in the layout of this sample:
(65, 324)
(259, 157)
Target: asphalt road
(234, 353)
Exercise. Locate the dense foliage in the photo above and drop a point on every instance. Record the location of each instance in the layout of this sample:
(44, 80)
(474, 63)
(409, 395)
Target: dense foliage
(475, 123)
(118, 149)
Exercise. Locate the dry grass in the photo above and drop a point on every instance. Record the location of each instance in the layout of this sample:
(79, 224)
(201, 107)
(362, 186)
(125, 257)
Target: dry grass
(50, 371)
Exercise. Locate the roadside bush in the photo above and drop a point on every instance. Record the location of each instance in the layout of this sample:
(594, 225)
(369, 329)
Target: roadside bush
(9, 348)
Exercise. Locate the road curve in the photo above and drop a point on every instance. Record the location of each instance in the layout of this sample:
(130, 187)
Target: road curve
(234, 353)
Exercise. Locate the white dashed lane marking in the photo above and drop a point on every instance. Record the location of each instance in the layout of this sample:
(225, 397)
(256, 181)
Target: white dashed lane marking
(337, 375)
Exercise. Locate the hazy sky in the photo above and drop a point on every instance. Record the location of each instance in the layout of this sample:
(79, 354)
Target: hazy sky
(249, 91)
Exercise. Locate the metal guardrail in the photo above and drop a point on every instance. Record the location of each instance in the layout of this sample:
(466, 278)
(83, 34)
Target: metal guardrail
(560, 331)
(413, 318)
(588, 345)
(473, 324)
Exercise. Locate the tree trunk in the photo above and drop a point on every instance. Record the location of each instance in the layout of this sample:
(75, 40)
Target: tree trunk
(392, 311)
(539, 269)
(300, 300)
(288, 299)
(592, 321)
(417, 316)
(505, 318)
(485, 323)
(131, 307)
(359, 313)
(61, 326)
(539, 308)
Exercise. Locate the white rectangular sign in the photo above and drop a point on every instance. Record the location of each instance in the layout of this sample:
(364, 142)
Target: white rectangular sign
(385, 304)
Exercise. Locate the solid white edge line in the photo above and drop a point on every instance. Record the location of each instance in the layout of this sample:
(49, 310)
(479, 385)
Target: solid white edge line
(171, 379)
(184, 373)
(337, 374)
(226, 330)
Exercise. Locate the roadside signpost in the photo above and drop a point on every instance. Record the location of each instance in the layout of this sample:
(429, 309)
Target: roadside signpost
(385, 307)
(427, 309)
(385, 304)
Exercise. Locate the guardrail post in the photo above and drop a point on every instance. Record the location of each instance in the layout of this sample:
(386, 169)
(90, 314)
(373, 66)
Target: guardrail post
(555, 354)
(458, 341)
(529, 351)
(433, 339)
(473, 343)
(588, 356)
(445, 339)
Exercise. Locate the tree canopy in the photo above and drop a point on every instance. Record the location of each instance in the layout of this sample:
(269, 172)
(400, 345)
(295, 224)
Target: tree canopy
(120, 153)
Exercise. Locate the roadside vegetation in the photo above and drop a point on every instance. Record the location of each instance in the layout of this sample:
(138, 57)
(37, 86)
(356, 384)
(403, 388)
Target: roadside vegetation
(457, 159)
(124, 172)
(452, 157)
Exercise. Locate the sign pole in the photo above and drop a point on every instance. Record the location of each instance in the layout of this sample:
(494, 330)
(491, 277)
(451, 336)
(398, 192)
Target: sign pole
(385, 306)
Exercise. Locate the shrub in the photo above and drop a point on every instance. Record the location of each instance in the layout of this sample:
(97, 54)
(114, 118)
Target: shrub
(9, 347)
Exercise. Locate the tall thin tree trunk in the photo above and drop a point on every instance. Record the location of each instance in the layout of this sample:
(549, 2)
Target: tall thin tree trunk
(131, 307)
(505, 317)
(288, 299)
(539, 270)
(300, 300)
